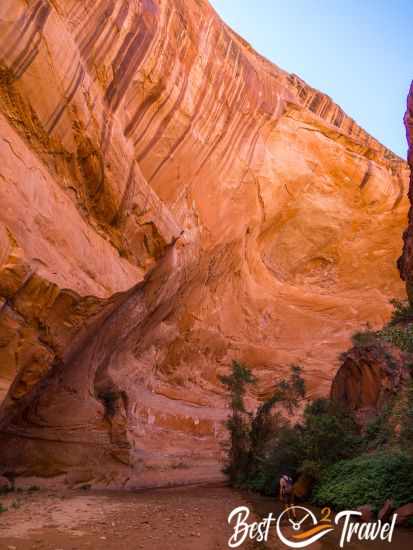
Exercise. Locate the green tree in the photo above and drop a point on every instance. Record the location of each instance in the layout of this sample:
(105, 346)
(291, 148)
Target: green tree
(253, 436)
(238, 423)
(329, 433)
(265, 422)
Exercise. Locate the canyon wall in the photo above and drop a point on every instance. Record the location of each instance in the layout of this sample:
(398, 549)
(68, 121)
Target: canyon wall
(170, 201)
(405, 262)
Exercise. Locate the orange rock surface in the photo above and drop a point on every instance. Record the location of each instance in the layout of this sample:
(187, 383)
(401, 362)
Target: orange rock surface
(170, 201)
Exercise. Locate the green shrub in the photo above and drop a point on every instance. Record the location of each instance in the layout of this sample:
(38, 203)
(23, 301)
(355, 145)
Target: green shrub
(329, 433)
(311, 469)
(400, 337)
(364, 338)
(393, 332)
(403, 311)
(379, 432)
(283, 456)
(406, 431)
(368, 479)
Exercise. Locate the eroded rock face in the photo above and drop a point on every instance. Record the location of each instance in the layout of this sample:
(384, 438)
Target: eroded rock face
(170, 201)
(370, 377)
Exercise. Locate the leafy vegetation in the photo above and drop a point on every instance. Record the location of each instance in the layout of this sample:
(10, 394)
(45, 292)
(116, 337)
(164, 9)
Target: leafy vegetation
(399, 331)
(379, 432)
(238, 423)
(266, 444)
(383, 470)
(364, 338)
(325, 435)
(329, 433)
(401, 337)
(370, 478)
(402, 312)
(252, 435)
(282, 455)
(406, 431)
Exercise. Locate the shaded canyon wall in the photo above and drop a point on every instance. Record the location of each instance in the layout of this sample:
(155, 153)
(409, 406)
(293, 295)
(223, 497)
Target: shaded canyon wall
(405, 263)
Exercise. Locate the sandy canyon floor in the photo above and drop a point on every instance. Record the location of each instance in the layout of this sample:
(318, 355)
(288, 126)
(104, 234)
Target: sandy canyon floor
(179, 518)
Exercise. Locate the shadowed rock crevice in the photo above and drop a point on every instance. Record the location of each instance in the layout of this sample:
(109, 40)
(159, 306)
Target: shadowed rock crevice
(405, 262)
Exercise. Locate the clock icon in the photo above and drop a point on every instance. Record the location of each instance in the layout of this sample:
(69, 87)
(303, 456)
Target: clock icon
(301, 528)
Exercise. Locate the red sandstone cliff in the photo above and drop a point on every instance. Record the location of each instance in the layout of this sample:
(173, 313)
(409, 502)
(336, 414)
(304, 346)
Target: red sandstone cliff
(170, 200)
(370, 378)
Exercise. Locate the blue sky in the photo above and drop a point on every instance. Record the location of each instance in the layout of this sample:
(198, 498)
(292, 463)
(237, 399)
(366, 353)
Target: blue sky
(360, 52)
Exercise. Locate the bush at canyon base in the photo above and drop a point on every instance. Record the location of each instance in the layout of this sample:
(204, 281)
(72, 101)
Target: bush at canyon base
(368, 479)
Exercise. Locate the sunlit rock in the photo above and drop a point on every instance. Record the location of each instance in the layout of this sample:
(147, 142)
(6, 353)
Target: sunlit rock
(170, 201)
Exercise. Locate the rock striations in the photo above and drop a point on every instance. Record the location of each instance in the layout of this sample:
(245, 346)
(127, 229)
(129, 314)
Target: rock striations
(170, 201)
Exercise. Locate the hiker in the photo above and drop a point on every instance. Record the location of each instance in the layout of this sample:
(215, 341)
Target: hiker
(287, 493)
